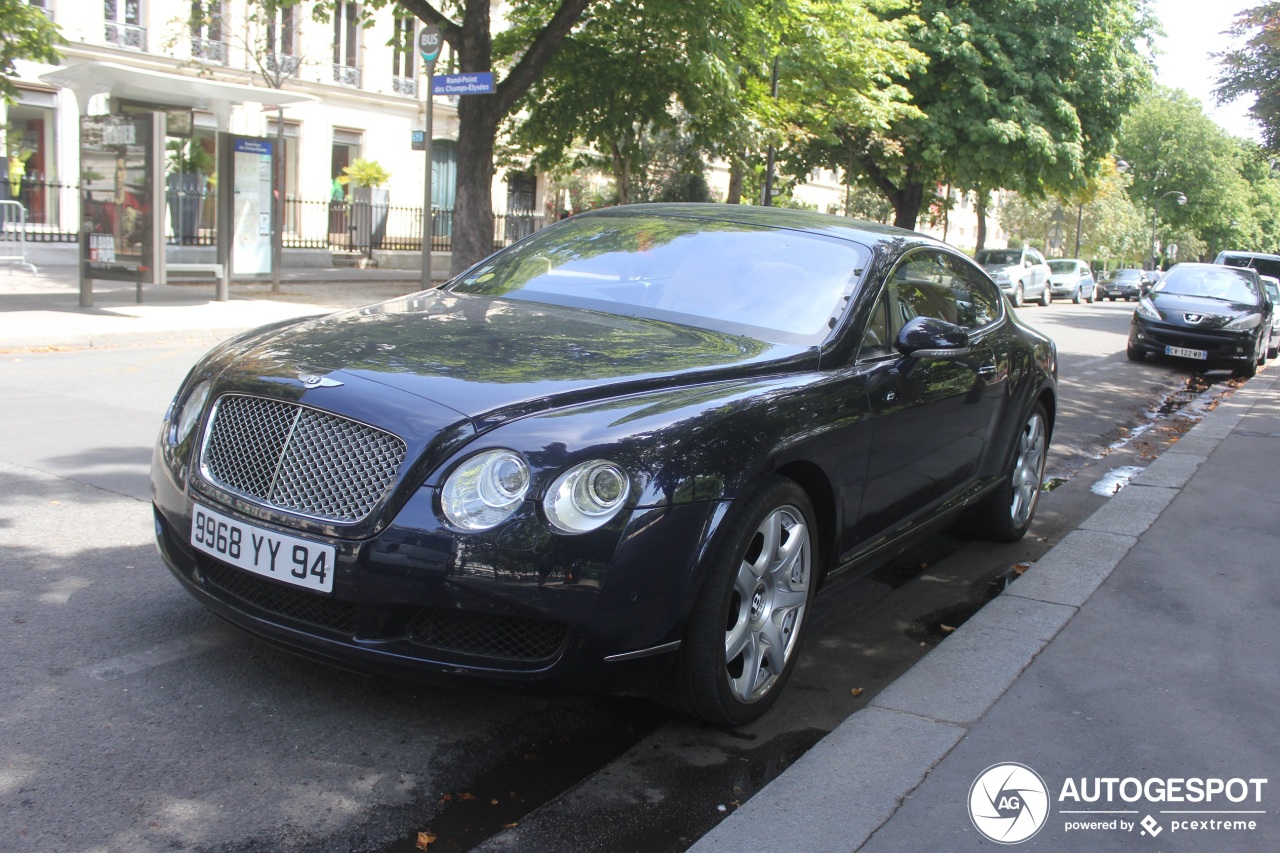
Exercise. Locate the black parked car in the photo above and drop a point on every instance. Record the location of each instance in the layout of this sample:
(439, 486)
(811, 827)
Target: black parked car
(1121, 284)
(621, 454)
(1215, 315)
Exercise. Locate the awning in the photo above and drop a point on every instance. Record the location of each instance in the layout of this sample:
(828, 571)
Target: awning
(162, 89)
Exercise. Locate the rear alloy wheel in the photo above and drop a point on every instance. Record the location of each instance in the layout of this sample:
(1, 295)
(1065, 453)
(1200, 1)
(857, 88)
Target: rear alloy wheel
(747, 624)
(1018, 293)
(1092, 296)
(1075, 298)
(1045, 297)
(1007, 512)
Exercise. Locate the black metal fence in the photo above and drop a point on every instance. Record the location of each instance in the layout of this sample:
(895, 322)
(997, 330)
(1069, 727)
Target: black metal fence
(339, 226)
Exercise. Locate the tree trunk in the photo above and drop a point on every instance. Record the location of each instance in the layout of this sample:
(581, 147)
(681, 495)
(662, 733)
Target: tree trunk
(473, 204)
(737, 179)
(906, 205)
(621, 172)
(980, 208)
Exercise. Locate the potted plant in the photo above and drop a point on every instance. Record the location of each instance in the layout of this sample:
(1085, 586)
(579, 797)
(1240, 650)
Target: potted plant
(369, 201)
(189, 167)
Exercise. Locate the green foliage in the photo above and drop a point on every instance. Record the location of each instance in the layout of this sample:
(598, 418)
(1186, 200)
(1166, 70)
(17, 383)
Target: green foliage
(1254, 68)
(25, 33)
(1019, 94)
(187, 156)
(1171, 145)
(364, 173)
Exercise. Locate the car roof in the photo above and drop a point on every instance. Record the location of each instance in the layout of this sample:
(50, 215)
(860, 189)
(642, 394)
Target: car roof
(867, 233)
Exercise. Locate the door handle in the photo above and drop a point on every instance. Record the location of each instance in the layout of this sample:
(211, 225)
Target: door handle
(987, 371)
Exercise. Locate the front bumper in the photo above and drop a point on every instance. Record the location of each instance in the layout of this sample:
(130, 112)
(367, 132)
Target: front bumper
(1125, 293)
(1222, 347)
(516, 608)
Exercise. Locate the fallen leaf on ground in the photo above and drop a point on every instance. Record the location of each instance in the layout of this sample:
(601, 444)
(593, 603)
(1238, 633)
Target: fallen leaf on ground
(947, 628)
(425, 839)
(857, 691)
(466, 796)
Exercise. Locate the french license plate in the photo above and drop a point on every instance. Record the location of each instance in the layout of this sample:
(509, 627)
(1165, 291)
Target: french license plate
(291, 559)
(1183, 352)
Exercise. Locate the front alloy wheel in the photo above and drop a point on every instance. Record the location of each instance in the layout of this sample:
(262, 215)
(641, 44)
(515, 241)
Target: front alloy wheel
(746, 627)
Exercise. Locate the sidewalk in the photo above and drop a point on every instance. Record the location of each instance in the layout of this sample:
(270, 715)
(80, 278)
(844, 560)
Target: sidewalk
(42, 310)
(1143, 647)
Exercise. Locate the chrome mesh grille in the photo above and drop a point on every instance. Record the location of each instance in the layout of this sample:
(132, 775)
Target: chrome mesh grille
(300, 459)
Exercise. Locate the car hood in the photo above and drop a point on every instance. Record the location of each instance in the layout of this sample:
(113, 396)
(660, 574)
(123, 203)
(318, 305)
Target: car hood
(493, 359)
(1213, 313)
(1064, 277)
(993, 269)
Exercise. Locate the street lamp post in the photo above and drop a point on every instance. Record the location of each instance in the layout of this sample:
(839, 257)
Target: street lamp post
(1155, 210)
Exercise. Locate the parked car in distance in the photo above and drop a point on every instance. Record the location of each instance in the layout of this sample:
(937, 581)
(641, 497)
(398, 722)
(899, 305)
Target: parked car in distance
(1264, 263)
(1071, 277)
(1121, 284)
(619, 455)
(1021, 273)
(1271, 285)
(1215, 315)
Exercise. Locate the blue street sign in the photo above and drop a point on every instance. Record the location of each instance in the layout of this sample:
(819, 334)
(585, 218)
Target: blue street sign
(473, 83)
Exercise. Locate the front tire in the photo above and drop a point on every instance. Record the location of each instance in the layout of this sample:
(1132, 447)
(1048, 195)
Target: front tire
(1135, 354)
(1006, 514)
(745, 631)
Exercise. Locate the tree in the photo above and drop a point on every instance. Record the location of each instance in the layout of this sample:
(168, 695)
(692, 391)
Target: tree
(1172, 146)
(25, 33)
(517, 56)
(1254, 69)
(1021, 95)
(620, 80)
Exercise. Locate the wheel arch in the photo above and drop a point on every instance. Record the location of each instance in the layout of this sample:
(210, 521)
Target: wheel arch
(817, 486)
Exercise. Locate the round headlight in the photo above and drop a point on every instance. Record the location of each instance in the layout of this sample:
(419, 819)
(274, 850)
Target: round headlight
(586, 496)
(192, 409)
(485, 490)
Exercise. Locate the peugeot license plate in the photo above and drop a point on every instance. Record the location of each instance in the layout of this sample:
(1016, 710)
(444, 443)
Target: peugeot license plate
(1184, 352)
(301, 562)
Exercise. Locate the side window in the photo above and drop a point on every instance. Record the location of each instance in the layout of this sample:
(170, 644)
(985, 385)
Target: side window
(922, 287)
(977, 299)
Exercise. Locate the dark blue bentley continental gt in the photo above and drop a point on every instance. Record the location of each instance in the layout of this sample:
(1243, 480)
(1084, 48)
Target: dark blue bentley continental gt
(619, 455)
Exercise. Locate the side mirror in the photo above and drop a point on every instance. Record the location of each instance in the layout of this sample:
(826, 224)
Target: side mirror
(926, 336)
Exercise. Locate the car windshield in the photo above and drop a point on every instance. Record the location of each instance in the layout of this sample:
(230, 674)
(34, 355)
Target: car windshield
(780, 284)
(1209, 282)
(1062, 266)
(999, 257)
(1264, 266)
(1273, 291)
(1125, 275)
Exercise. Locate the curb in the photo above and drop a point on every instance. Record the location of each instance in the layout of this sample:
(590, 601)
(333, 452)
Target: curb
(849, 784)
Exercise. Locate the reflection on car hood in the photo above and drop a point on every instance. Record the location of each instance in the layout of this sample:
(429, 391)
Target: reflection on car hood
(1213, 313)
(995, 268)
(496, 358)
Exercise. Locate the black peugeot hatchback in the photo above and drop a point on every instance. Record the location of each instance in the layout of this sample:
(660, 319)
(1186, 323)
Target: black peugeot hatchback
(1216, 315)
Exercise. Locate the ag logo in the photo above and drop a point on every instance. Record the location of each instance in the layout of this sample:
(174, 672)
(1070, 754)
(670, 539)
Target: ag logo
(1008, 803)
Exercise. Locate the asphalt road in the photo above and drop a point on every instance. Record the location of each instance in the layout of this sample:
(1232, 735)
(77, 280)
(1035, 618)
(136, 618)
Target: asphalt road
(133, 720)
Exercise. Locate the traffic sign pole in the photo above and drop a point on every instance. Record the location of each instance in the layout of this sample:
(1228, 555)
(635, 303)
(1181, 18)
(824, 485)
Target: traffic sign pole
(429, 44)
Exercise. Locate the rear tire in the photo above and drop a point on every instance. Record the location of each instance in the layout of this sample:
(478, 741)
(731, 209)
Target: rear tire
(1045, 297)
(746, 628)
(1075, 298)
(1018, 294)
(1006, 514)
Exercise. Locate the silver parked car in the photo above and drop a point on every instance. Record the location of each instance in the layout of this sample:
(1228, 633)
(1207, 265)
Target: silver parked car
(1071, 277)
(1021, 273)
(1271, 285)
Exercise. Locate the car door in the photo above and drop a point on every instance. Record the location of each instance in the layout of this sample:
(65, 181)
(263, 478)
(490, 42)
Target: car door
(932, 416)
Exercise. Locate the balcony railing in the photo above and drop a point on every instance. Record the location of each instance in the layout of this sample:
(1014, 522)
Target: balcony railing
(346, 75)
(209, 50)
(129, 36)
(405, 86)
(283, 64)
